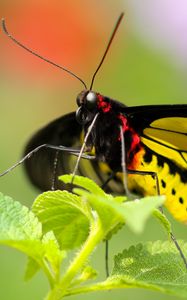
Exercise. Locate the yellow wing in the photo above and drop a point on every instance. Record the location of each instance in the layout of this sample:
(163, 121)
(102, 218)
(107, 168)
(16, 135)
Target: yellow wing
(167, 140)
(168, 137)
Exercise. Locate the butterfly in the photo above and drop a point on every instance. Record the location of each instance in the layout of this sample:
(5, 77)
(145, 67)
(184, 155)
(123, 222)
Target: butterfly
(155, 145)
(155, 141)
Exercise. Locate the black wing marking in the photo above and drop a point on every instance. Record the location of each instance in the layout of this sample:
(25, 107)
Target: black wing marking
(40, 167)
(142, 116)
(163, 129)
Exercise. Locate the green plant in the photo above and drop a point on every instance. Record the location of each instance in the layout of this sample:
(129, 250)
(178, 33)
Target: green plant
(61, 221)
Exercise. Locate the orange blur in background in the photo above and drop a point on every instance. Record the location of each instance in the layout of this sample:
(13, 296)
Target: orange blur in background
(74, 34)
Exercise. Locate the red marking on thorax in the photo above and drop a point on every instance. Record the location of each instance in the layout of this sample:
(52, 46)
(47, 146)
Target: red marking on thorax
(102, 104)
(135, 145)
(124, 122)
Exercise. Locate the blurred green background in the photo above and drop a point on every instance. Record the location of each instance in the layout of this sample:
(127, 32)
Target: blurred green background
(147, 64)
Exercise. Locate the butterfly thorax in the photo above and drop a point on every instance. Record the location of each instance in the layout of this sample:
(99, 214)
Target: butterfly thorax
(105, 135)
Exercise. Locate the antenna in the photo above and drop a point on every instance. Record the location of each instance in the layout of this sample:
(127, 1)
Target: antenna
(38, 55)
(107, 48)
(59, 66)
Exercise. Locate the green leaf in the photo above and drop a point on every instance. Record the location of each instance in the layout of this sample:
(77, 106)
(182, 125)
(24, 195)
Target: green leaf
(107, 209)
(120, 199)
(163, 220)
(31, 269)
(156, 266)
(88, 273)
(138, 211)
(83, 182)
(113, 213)
(19, 227)
(17, 222)
(52, 253)
(65, 214)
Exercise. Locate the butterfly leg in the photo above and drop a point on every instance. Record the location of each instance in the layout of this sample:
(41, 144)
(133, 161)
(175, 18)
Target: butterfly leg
(83, 146)
(124, 165)
(124, 171)
(57, 148)
(107, 242)
(143, 173)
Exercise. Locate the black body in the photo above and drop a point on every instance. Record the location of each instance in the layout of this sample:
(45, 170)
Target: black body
(104, 137)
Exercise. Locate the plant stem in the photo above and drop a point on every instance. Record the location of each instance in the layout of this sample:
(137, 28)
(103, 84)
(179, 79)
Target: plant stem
(100, 286)
(95, 236)
(48, 273)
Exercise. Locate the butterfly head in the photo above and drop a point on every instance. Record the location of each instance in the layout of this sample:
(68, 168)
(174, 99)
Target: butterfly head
(90, 103)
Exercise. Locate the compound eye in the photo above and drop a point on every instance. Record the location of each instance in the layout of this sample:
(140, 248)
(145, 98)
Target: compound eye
(82, 116)
(78, 100)
(91, 101)
(80, 97)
